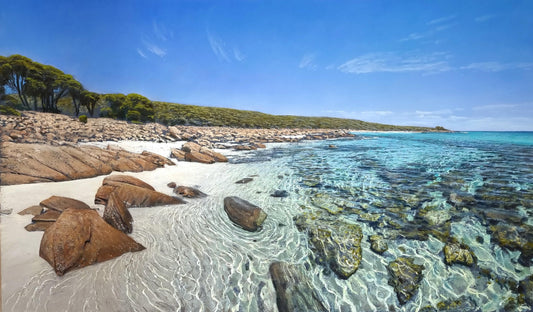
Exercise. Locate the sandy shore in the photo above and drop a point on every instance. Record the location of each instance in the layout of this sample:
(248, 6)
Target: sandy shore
(20, 259)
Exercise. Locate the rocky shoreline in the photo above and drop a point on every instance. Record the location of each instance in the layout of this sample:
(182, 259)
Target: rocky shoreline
(33, 143)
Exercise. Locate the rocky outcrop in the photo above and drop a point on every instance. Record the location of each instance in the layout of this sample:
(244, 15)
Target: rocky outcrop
(405, 277)
(243, 213)
(80, 237)
(134, 196)
(30, 163)
(336, 243)
(124, 178)
(60, 203)
(455, 252)
(117, 215)
(294, 291)
(189, 192)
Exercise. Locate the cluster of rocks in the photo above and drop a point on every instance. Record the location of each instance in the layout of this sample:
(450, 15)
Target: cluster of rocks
(37, 127)
(194, 152)
(29, 163)
(76, 235)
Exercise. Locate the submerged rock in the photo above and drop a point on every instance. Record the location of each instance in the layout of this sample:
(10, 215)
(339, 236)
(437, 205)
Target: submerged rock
(189, 192)
(405, 277)
(117, 215)
(378, 244)
(80, 237)
(525, 288)
(280, 193)
(60, 203)
(462, 304)
(244, 181)
(458, 253)
(243, 213)
(515, 237)
(294, 291)
(337, 243)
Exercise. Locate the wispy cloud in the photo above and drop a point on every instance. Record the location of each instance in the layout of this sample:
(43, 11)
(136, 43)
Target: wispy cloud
(153, 41)
(441, 20)
(238, 55)
(484, 18)
(222, 51)
(157, 50)
(497, 66)
(161, 32)
(494, 107)
(396, 63)
(219, 47)
(140, 52)
(415, 36)
(307, 62)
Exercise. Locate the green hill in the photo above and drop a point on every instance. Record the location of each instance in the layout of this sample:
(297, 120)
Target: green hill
(180, 114)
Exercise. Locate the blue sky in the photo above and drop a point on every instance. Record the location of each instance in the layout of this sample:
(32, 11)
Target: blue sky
(464, 65)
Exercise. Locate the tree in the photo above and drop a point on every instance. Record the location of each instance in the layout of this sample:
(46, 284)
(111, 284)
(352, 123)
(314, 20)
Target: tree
(75, 90)
(15, 70)
(89, 100)
(114, 103)
(141, 104)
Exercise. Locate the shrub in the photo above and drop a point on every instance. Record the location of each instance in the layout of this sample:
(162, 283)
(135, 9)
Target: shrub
(7, 110)
(83, 118)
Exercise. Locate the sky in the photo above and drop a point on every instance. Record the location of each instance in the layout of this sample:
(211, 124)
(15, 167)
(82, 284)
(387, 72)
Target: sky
(463, 65)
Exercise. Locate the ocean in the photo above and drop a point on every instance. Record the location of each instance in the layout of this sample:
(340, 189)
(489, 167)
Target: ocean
(418, 191)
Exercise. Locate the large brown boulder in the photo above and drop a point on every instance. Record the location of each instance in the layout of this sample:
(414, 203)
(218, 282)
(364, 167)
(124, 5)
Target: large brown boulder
(117, 215)
(124, 178)
(80, 238)
(191, 147)
(135, 196)
(243, 213)
(216, 156)
(178, 154)
(199, 157)
(60, 203)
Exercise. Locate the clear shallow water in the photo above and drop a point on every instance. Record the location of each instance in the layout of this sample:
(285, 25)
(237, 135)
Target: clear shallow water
(410, 188)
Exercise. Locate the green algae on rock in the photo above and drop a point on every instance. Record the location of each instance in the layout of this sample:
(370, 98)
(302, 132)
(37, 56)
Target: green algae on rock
(455, 252)
(405, 277)
(337, 243)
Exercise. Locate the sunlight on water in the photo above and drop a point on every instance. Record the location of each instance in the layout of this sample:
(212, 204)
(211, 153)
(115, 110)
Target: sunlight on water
(417, 190)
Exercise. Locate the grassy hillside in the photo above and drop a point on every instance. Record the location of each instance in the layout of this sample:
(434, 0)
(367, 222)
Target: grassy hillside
(179, 114)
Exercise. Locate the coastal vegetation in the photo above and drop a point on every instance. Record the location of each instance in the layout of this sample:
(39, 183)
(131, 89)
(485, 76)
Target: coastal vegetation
(29, 85)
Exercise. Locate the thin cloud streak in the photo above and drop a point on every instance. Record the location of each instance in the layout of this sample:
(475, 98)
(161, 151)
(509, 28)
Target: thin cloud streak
(222, 52)
(155, 49)
(497, 66)
(484, 18)
(394, 63)
(441, 20)
(140, 52)
(307, 62)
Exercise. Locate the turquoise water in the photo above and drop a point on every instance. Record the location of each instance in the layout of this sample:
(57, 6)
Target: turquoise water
(419, 191)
